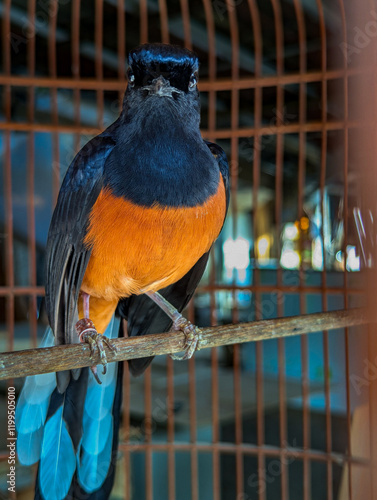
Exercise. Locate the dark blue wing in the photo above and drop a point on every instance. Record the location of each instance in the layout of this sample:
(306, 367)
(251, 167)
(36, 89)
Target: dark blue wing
(222, 161)
(67, 256)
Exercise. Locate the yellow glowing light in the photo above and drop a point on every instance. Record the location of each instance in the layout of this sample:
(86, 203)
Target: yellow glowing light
(304, 223)
(263, 247)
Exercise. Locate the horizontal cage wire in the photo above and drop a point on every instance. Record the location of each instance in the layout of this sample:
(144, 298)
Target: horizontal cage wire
(288, 91)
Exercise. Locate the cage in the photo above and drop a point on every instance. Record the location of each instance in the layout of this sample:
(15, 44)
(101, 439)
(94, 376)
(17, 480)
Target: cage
(288, 91)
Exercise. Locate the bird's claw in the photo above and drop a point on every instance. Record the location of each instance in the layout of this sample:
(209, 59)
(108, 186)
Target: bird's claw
(88, 334)
(193, 336)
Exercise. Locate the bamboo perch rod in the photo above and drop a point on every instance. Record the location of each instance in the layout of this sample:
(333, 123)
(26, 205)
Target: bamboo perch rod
(52, 359)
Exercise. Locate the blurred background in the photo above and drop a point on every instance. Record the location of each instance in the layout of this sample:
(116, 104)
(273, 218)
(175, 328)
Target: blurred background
(288, 91)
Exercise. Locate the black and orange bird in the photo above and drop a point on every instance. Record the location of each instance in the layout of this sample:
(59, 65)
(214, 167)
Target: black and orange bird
(137, 214)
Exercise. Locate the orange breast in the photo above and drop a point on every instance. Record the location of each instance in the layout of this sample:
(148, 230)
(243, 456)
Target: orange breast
(136, 249)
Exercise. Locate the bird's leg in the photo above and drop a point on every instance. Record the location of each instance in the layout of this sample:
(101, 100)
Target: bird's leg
(85, 303)
(192, 333)
(87, 333)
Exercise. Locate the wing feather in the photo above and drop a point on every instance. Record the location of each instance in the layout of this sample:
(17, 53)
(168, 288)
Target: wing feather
(67, 256)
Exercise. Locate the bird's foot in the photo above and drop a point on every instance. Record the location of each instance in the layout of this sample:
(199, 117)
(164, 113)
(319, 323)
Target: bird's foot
(193, 335)
(87, 333)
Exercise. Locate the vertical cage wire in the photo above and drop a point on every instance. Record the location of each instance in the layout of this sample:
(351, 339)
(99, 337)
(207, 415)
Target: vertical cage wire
(370, 189)
(329, 474)
(9, 279)
(301, 29)
(234, 161)
(346, 333)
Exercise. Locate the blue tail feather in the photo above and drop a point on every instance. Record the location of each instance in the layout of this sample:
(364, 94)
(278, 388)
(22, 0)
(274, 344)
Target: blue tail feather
(95, 454)
(31, 411)
(58, 459)
(29, 446)
(93, 467)
(73, 440)
(30, 417)
(100, 398)
(96, 433)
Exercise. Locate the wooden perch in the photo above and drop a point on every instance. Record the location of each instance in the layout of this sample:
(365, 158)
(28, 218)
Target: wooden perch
(52, 359)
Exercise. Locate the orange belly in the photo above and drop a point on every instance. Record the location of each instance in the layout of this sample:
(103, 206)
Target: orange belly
(137, 249)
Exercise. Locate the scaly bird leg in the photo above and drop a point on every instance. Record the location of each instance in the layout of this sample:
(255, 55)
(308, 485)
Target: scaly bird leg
(87, 333)
(193, 334)
(85, 303)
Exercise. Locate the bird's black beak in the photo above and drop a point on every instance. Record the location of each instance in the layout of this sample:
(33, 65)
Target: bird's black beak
(162, 88)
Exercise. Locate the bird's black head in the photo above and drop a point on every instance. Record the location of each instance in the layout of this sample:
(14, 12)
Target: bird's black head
(163, 70)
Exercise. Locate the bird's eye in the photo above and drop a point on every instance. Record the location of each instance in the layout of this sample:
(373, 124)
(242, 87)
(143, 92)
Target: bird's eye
(193, 80)
(131, 78)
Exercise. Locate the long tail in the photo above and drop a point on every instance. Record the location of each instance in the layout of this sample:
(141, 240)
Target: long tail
(31, 412)
(74, 434)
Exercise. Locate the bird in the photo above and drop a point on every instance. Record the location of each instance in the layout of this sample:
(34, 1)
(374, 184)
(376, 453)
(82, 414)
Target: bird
(138, 211)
